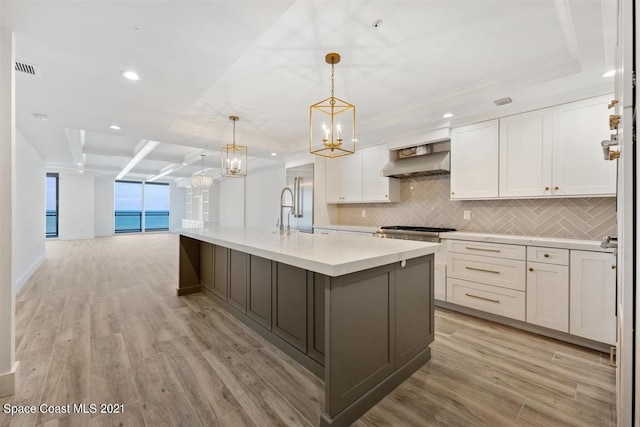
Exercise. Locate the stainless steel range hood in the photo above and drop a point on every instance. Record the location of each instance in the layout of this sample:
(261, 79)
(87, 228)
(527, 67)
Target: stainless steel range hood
(420, 160)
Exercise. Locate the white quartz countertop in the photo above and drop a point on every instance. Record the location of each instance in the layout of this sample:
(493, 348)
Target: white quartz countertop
(363, 229)
(549, 242)
(330, 254)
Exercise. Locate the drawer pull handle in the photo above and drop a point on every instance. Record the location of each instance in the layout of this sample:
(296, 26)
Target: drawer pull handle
(546, 255)
(482, 249)
(483, 298)
(481, 269)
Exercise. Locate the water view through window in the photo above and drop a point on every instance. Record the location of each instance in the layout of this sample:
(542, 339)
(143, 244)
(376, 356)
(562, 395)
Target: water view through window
(141, 206)
(51, 205)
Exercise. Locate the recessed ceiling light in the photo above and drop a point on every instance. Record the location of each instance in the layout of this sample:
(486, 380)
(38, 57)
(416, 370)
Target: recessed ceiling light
(274, 154)
(609, 73)
(41, 117)
(354, 140)
(447, 115)
(131, 75)
(79, 164)
(114, 127)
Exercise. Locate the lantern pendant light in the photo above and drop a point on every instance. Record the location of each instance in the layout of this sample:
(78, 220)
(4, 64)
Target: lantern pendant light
(234, 157)
(201, 180)
(332, 122)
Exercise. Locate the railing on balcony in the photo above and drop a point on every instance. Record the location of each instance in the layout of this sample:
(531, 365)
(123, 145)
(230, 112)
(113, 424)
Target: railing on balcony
(128, 221)
(52, 224)
(156, 221)
(131, 221)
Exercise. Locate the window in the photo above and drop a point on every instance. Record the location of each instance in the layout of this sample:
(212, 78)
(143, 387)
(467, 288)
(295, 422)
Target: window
(141, 206)
(156, 206)
(51, 205)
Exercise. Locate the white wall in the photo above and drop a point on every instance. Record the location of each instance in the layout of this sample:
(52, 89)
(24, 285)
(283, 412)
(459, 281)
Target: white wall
(7, 165)
(231, 202)
(29, 205)
(76, 206)
(263, 197)
(177, 206)
(103, 206)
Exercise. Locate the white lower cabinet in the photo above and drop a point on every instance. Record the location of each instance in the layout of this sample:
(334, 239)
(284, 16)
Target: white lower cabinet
(593, 296)
(440, 279)
(548, 295)
(492, 299)
(571, 291)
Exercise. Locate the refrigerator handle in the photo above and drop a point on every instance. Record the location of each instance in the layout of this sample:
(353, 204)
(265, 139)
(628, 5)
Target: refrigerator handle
(297, 197)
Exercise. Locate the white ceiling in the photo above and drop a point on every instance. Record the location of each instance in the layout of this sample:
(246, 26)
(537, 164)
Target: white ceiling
(201, 61)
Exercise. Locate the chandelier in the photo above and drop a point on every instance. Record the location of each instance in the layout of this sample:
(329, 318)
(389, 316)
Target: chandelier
(201, 180)
(331, 121)
(234, 157)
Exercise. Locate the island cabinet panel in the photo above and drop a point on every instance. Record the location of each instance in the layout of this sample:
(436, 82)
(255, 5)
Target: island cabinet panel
(189, 266)
(259, 303)
(206, 265)
(414, 309)
(238, 279)
(220, 271)
(315, 321)
(290, 305)
(362, 334)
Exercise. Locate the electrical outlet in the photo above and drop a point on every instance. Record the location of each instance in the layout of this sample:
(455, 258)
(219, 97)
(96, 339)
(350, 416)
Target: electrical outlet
(364, 213)
(467, 214)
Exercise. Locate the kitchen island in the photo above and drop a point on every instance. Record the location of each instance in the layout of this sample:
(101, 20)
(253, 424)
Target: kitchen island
(355, 310)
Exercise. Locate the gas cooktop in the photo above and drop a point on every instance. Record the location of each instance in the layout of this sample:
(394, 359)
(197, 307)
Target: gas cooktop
(416, 228)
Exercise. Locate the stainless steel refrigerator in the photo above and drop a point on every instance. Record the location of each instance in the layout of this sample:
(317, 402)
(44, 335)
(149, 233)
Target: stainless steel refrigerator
(300, 181)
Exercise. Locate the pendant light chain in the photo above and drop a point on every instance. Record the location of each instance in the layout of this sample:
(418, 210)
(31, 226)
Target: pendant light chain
(234, 135)
(333, 101)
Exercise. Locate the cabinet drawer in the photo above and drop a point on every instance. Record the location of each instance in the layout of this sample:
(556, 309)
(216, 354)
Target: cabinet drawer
(497, 250)
(506, 273)
(548, 255)
(500, 301)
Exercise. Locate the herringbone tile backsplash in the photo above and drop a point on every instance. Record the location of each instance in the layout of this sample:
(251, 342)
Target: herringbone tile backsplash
(425, 201)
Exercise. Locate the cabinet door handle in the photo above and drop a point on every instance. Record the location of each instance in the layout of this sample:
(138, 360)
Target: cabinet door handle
(481, 249)
(546, 188)
(546, 255)
(483, 298)
(556, 188)
(613, 267)
(481, 269)
(530, 268)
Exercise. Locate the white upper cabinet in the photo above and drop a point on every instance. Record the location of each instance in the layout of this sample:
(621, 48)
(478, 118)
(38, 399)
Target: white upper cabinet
(344, 178)
(356, 178)
(552, 152)
(525, 154)
(474, 161)
(578, 165)
(377, 188)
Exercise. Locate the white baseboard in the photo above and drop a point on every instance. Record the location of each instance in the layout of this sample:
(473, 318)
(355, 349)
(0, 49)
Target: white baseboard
(19, 283)
(8, 381)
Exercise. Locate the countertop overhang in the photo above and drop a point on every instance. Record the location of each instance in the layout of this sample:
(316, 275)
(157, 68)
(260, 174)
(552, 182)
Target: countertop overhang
(329, 254)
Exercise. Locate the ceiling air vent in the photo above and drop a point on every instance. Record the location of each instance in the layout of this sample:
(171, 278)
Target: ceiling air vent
(30, 69)
(503, 101)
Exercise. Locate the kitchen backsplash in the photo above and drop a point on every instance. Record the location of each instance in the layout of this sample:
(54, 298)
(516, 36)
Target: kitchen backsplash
(425, 201)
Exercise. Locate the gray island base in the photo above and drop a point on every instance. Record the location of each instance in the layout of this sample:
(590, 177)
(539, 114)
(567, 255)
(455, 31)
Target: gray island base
(362, 332)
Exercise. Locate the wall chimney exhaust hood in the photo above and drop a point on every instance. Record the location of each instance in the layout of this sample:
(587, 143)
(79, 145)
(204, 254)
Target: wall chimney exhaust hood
(425, 159)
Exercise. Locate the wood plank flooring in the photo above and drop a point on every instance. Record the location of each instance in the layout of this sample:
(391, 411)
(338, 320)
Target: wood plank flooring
(99, 322)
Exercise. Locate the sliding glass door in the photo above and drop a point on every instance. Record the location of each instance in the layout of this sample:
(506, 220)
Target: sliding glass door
(141, 206)
(128, 206)
(156, 206)
(51, 205)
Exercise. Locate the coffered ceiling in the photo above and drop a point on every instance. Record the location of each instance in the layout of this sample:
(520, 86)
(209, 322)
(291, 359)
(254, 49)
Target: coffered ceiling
(201, 61)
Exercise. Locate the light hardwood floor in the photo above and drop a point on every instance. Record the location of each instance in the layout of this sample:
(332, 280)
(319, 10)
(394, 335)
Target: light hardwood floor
(99, 322)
